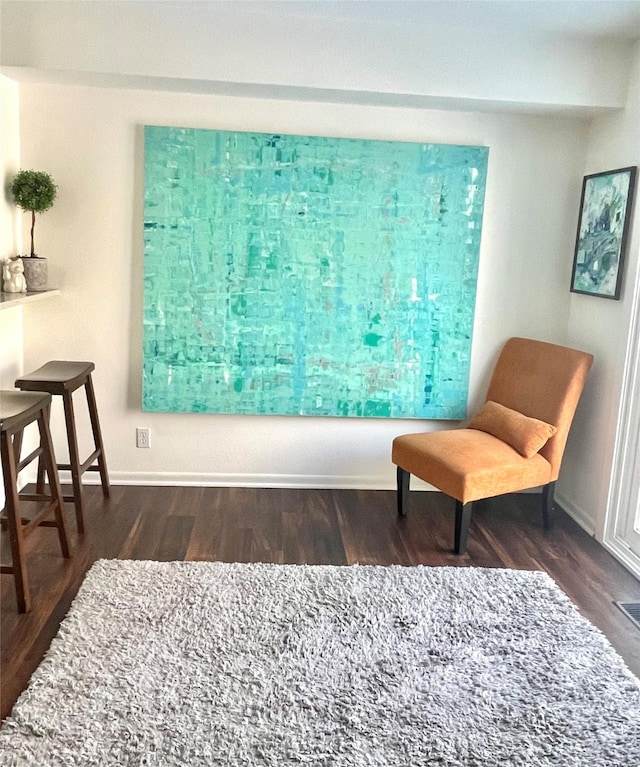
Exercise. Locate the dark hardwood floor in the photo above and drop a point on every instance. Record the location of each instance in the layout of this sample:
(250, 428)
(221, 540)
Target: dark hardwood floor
(303, 526)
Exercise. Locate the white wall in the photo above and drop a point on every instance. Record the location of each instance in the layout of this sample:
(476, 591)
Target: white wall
(93, 236)
(10, 319)
(11, 329)
(603, 326)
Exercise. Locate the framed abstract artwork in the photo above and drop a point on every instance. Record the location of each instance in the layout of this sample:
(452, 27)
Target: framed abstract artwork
(308, 275)
(603, 229)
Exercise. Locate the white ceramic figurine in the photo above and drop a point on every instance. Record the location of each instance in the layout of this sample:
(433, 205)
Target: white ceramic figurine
(13, 277)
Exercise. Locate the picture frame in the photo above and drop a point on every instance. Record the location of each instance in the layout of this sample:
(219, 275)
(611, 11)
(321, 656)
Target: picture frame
(603, 230)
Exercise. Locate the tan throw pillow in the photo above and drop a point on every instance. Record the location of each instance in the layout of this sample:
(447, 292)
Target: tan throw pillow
(524, 434)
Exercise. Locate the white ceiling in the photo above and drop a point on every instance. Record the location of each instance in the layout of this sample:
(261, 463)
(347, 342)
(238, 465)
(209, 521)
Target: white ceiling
(529, 56)
(581, 18)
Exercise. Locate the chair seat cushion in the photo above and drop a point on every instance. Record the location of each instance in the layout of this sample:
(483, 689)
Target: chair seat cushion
(468, 464)
(524, 434)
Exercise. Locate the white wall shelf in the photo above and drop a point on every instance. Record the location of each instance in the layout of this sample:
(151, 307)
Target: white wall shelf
(8, 300)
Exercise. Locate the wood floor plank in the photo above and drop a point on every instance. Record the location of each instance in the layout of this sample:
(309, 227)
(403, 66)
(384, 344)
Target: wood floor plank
(303, 526)
(311, 534)
(209, 509)
(370, 528)
(174, 539)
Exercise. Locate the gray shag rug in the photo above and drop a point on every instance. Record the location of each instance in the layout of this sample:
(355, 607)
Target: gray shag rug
(199, 663)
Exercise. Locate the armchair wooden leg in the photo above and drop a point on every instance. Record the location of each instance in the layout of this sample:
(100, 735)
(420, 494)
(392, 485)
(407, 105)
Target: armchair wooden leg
(548, 505)
(463, 520)
(404, 478)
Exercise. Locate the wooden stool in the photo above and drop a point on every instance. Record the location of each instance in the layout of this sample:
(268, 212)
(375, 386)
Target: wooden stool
(63, 378)
(18, 410)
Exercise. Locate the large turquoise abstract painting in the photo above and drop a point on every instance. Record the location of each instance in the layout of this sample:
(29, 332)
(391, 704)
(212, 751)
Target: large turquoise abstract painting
(307, 275)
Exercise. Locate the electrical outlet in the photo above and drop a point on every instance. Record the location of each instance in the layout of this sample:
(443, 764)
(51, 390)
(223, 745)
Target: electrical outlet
(143, 437)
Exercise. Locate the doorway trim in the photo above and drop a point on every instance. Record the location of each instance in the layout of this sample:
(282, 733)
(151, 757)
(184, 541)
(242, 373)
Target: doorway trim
(625, 474)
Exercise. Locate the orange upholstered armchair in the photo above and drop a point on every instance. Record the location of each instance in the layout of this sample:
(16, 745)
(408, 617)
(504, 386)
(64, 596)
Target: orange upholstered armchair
(515, 442)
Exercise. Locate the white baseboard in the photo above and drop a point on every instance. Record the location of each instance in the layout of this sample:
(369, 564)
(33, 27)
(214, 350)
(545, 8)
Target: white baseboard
(576, 513)
(299, 481)
(197, 479)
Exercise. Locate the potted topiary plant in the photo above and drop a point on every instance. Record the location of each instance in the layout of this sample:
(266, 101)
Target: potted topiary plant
(34, 191)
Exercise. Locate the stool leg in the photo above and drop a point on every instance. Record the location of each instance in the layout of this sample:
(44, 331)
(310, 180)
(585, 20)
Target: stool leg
(17, 447)
(17, 452)
(40, 475)
(74, 459)
(97, 436)
(14, 525)
(54, 481)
